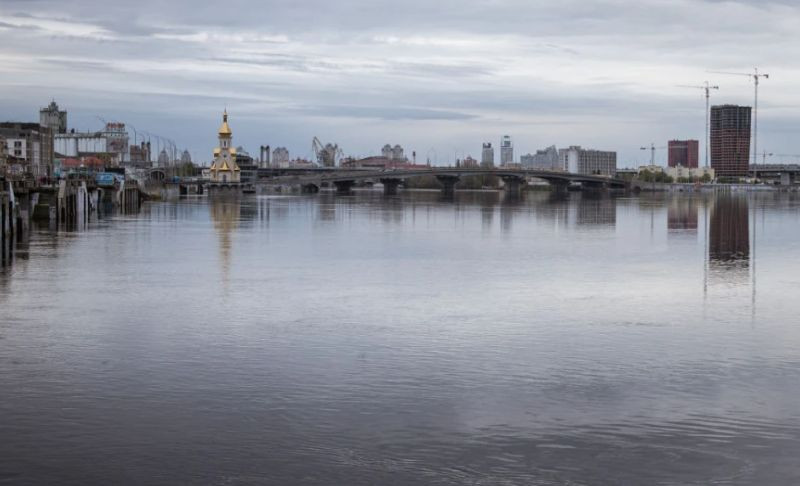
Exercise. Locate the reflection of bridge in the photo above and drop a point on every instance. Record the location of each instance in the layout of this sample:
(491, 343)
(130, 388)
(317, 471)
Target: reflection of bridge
(448, 177)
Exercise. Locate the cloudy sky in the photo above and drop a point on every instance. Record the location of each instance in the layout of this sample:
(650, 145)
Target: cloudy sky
(436, 76)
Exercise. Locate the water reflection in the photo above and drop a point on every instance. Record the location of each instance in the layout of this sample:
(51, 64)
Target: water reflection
(682, 215)
(596, 209)
(405, 340)
(729, 235)
(225, 215)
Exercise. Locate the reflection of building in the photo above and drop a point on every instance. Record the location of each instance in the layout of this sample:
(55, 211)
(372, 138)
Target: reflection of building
(506, 151)
(225, 215)
(487, 155)
(578, 160)
(683, 153)
(682, 215)
(729, 233)
(224, 169)
(730, 140)
(596, 210)
(546, 159)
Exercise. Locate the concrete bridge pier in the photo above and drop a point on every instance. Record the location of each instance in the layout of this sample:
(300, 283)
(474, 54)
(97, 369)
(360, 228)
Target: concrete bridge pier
(390, 186)
(448, 183)
(344, 187)
(594, 186)
(309, 188)
(560, 186)
(512, 184)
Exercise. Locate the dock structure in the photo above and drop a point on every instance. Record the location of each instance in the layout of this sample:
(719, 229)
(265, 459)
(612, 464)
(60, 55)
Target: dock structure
(7, 223)
(68, 203)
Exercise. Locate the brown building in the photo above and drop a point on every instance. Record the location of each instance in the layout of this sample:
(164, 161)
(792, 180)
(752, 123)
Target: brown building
(730, 140)
(683, 153)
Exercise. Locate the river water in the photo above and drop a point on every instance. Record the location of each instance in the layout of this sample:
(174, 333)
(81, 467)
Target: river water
(365, 339)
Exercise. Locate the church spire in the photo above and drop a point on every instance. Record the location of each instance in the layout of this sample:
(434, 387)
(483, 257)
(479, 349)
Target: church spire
(224, 129)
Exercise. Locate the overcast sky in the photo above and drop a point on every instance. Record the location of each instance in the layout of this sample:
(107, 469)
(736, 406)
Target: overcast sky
(436, 76)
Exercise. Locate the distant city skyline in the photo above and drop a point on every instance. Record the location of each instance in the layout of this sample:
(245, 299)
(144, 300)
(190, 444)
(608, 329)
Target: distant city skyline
(439, 79)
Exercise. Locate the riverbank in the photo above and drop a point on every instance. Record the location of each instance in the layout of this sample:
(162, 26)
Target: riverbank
(710, 187)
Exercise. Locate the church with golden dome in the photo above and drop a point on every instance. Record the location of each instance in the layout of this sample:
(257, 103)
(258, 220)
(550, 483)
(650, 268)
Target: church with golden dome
(224, 169)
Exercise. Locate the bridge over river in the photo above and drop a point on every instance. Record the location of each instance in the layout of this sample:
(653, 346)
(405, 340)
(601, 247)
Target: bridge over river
(448, 177)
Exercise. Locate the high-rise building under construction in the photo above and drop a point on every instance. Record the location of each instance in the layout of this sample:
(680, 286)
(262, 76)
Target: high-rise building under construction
(730, 140)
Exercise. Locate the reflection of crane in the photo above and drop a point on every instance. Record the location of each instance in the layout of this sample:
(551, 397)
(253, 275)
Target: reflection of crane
(707, 88)
(327, 155)
(756, 77)
(652, 150)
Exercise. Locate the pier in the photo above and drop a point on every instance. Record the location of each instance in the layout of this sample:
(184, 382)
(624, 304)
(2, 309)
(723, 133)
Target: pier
(67, 204)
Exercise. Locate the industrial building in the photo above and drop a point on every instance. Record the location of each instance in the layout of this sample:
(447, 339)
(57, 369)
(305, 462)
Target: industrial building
(683, 153)
(110, 143)
(487, 155)
(730, 140)
(140, 155)
(53, 118)
(395, 153)
(587, 161)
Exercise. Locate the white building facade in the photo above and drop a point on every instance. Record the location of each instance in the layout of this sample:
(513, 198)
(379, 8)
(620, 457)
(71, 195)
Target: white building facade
(506, 151)
(578, 160)
(487, 155)
(280, 157)
(113, 140)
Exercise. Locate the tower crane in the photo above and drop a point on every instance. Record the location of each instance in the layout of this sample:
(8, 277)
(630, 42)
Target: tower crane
(756, 78)
(707, 88)
(652, 150)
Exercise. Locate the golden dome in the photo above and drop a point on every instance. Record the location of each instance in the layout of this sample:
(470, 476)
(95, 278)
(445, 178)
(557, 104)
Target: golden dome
(224, 129)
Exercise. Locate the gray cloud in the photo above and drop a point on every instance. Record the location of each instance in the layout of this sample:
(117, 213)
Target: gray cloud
(447, 73)
(383, 113)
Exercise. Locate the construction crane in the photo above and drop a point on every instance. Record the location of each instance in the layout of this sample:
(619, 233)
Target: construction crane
(327, 154)
(652, 148)
(756, 78)
(707, 88)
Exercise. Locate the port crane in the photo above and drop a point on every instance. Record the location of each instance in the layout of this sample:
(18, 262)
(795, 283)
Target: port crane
(756, 78)
(707, 87)
(328, 154)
